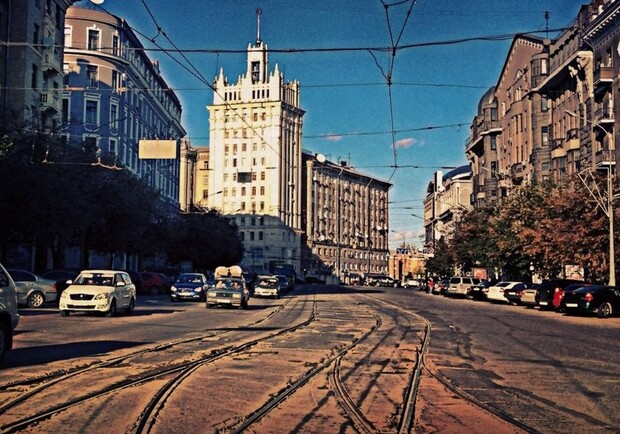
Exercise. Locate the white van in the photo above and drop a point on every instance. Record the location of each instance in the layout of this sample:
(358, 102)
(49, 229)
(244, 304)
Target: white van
(460, 285)
(8, 311)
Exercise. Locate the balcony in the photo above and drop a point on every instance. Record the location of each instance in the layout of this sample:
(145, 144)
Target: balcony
(517, 171)
(557, 144)
(604, 115)
(572, 139)
(489, 127)
(51, 63)
(50, 101)
(603, 76)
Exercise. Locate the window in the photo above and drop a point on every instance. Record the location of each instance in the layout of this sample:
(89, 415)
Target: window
(545, 136)
(34, 80)
(35, 37)
(205, 194)
(65, 110)
(493, 142)
(255, 72)
(262, 190)
(112, 147)
(91, 112)
(494, 168)
(114, 84)
(115, 45)
(114, 116)
(92, 75)
(544, 103)
(93, 39)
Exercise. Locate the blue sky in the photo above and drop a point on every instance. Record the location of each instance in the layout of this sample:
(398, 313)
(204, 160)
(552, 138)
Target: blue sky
(349, 113)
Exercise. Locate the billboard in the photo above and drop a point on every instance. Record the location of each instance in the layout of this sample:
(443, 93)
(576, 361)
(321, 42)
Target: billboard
(157, 149)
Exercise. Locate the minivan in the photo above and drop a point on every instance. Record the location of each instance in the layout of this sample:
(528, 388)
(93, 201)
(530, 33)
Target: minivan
(460, 285)
(8, 311)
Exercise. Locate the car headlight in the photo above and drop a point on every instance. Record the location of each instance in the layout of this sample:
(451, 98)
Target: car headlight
(173, 289)
(102, 296)
(64, 294)
(198, 289)
(236, 296)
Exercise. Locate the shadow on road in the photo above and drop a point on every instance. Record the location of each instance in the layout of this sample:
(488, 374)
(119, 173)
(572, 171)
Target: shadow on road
(51, 353)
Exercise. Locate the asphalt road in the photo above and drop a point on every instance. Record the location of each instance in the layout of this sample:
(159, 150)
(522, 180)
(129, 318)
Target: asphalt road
(544, 371)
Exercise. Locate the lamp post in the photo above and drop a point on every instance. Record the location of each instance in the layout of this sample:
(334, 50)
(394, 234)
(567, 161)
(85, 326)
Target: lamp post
(610, 207)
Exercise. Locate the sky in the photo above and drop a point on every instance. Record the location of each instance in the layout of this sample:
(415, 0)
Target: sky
(402, 132)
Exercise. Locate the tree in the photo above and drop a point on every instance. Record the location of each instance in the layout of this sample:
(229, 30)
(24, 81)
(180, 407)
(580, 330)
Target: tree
(442, 262)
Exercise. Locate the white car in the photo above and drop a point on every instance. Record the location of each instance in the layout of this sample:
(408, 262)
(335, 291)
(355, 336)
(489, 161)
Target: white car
(267, 286)
(101, 291)
(496, 292)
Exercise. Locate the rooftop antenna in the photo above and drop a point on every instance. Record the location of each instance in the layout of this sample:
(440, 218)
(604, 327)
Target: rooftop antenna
(258, 14)
(547, 24)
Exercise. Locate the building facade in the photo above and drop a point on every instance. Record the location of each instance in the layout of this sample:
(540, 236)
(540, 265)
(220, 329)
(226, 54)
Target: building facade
(552, 114)
(115, 96)
(31, 63)
(448, 196)
(255, 160)
(345, 220)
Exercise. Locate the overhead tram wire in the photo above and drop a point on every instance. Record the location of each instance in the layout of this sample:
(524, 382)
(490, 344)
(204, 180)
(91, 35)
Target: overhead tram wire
(389, 75)
(196, 73)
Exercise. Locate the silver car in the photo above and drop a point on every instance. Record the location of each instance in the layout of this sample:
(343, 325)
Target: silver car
(8, 311)
(32, 289)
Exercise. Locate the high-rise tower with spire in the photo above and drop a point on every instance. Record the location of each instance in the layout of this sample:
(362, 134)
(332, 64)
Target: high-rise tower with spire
(255, 158)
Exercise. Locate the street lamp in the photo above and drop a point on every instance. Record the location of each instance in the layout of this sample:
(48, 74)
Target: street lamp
(609, 210)
(402, 235)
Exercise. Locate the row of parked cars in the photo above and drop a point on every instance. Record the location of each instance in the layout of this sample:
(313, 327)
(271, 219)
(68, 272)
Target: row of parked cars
(562, 295)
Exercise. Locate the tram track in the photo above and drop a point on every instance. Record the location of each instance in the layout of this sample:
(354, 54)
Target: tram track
(179, 371)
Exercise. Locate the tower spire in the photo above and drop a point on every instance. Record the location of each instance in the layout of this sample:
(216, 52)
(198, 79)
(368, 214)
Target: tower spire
(258, 14)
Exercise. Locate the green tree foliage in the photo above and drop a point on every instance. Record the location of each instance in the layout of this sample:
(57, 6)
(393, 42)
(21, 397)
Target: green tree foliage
(53, 196)
(473, 244)
(442, 262)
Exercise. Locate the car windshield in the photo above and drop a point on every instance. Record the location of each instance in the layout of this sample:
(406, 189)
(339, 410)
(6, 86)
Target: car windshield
(268, 283)
(228, 284)
(98, 279)
(189, 278)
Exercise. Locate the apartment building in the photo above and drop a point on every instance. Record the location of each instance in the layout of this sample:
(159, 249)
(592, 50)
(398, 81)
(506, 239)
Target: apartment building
(448, 196)
(31, 32)
(552, 113)
(345, 220)
(255, 159)
(115, 96)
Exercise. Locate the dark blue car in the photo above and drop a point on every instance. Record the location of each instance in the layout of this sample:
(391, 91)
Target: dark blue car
(189, 286)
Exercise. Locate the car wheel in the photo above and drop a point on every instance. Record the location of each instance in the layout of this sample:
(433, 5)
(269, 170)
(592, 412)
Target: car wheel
(155, 290)
(207, 305)
(132, 305)
(64, 313)
(604, 310)
(112, 311)
(36, 299)
(4, 337)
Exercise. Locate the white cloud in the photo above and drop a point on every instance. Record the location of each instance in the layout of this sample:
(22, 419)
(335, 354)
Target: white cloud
(405, 143)
(333, 138)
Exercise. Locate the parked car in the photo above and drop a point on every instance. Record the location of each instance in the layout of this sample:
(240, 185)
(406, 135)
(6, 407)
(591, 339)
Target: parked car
(410, 283)
(153, 283)
(189, 286)
(441, 287)
(479, 291)
(600, 299)
(513, 293)
(544, 296)
(558, 295)
(101, 291)
(229, 288)
(528, 295)
(460, 285)
(61, 277)
(496, 292)
(381, 280)
(32, 289)
(9, 316)
(268, 286)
